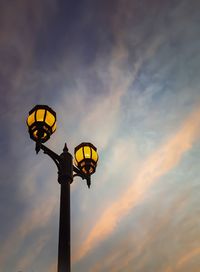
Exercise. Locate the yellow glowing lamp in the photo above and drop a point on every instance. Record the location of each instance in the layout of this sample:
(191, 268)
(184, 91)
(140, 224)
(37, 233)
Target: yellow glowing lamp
(41, 123)
(86, 157)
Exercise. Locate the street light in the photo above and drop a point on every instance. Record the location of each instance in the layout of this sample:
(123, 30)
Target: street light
(41, 124)
(86, 158)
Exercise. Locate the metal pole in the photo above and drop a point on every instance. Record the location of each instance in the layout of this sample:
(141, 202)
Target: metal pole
(64, 229)
(65, 177)
(65, 166)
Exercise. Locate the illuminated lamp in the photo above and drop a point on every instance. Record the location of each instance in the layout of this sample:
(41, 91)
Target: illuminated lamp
(86, 157)
(41, 123)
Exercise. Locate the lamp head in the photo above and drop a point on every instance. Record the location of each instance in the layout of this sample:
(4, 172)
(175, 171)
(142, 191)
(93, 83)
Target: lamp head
(41, 123)
(86, 157)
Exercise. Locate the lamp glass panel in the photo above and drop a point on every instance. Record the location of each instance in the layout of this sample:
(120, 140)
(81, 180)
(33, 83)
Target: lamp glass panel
(79, 155)
(44, 136)
(87, 152)
(31, 119)
(94, 155)
(50, 119)
(40, 115)
(35, 134)
(82, 163)
(54, 128)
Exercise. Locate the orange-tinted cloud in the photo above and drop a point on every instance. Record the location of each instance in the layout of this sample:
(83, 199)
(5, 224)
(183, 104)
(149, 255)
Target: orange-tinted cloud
(52, 267)
(188, 257)
(120, 260)
(168, 269)
(158, 164)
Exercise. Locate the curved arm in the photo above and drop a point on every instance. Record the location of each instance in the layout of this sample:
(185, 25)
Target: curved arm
(55, 157)
(59, 163)
(80, 174)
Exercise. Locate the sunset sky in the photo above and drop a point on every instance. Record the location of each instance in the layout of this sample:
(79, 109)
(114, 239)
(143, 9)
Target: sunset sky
(125, 76)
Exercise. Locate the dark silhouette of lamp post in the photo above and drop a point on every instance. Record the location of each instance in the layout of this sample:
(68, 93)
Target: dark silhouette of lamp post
(42, 124)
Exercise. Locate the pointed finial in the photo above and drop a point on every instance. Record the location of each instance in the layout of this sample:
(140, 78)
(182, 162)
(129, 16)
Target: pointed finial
(65, 149)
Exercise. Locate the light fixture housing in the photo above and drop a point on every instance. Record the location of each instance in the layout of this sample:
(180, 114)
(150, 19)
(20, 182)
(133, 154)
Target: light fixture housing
(86, 157)
(41, 123)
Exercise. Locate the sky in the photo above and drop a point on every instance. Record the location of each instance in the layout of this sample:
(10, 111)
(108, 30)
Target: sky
(123, 75)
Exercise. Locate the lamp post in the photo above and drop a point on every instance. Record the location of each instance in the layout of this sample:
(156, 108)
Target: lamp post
(41, 123)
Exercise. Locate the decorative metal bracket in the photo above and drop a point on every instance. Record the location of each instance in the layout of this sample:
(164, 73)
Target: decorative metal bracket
(80, 174)
(60, 163)
(55, 157)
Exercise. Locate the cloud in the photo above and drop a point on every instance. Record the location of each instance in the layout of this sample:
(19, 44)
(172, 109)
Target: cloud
(32, 253)
(52, 267)
(158, 164)
(87, 94)
(169, 269)
(148, 228)
(35, 219)
(20, 23)
(187, 258)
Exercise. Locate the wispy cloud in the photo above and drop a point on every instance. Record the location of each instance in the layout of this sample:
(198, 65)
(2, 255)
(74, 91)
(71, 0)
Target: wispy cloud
(35, 219)
(157, 165)
(134, 247)
(187, 258)
(52, 267)
(32, 253)
(113, 72)
(21, 22)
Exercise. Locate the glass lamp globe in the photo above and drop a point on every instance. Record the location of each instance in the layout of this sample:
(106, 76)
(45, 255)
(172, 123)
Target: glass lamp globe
(41, 123)
(86, 157)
